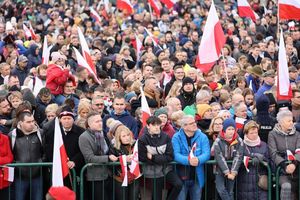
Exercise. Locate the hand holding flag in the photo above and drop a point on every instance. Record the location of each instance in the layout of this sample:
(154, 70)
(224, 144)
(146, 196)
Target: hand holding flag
(246, 162)
(191, 155)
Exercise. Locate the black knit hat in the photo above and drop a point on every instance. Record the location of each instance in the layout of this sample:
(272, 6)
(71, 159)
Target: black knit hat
(187, 80)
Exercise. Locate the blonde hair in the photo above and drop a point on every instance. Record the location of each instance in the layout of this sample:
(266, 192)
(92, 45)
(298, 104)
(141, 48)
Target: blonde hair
(119, 130)
(177, 115)
(51, 108)
(211, 126)
(83, 105)
(251, 124)
(174, 89)
(15, 94)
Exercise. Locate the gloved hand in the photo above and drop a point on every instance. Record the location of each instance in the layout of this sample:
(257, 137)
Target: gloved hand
(255, 161)
(259, 156)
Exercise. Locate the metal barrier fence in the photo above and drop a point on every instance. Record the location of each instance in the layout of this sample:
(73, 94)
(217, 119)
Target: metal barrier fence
(143, 182)
(41, 166)
(277, 177)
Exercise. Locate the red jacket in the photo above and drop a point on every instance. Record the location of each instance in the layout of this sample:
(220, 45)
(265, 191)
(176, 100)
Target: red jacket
(56, 78)
(6, 157)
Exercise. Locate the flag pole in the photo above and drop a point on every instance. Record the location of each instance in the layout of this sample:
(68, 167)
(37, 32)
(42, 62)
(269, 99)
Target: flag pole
(225, 67)
(150, 10)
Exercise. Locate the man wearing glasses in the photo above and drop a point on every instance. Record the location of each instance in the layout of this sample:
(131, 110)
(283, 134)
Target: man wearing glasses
(190, 140)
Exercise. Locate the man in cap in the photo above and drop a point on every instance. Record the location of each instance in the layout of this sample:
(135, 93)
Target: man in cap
(58, 74)
(70, 135)
(20, 69)
(253, 79)
(269, 80)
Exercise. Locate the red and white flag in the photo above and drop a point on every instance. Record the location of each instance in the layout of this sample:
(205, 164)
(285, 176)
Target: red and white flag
(83, 63)
(191, 154)
(94, 14)
(152, 38)
(155, 6)
(125, 5)
(246, 162)
(239, 122)
(290, 155)
(135, 166)
(59, 168)
(86, 51)
(8, 173)
(289, 9)
(214, 38)
(123, 163)
(297, 151)
(245, 10)
(144, 108)
(169, 3)
(139, 46)
(46, 51)
(284, 90)
(26, 31)
(33, 35)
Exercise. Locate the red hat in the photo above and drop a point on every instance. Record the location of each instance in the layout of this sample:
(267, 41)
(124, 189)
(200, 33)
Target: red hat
(62, 193)
(213, 86)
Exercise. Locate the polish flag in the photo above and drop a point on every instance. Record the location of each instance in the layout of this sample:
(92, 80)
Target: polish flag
(156, 7)
(135, 166)
(139, 46)
(123, 163)
(169, 3)
(46, 51)
(239, 122)
(297, 151)
(86, 51)
(152, 38)
(125, 5)
(95, 15)
(144, 108)
(290, 155)
(246, 162)
(59, 168)
(8, 173)
(245, 10)
(33, 35)
(83, 63)
(26, 31)
(284, 90)
(191, 154)
(289, 9)
(214, 38)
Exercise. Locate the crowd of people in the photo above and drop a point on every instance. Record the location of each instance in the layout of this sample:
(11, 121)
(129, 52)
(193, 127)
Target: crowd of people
(226, 114)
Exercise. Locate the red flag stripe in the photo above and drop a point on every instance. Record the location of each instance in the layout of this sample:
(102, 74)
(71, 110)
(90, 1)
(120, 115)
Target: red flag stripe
(289, 12)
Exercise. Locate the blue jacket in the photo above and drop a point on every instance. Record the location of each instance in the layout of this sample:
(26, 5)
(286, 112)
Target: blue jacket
(265, 87)
(202, 152)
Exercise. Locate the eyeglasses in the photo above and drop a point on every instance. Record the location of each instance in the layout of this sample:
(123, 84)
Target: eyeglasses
(191, 123)
(218, 124)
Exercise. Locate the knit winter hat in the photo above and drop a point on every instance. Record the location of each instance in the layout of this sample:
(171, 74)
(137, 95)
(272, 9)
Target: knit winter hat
(187, 80)
(113, 124)
(227, 123)
(202, 109)
(62, 193)
(129, 96)
(161, 111)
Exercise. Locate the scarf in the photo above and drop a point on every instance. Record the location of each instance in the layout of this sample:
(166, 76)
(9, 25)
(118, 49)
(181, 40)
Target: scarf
(278, 129)
(251, 143)
(230, 141)
(100, 142)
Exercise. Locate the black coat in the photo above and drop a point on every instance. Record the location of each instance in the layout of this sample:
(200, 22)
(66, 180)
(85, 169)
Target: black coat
(70, 142)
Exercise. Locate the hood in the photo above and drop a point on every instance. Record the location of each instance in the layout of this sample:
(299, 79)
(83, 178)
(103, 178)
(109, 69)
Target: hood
(277, 129)
(32, 49)
(262, 104)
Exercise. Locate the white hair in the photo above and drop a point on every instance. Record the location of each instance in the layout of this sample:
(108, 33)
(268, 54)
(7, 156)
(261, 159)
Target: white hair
(184, 119)
(202, 94)
(283, 114)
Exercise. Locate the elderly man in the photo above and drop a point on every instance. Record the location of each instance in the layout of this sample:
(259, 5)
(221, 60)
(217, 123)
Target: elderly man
(284, 138)
(236, 99)
(4, 72)
(191, 169)
(70, 134)
(269, 80)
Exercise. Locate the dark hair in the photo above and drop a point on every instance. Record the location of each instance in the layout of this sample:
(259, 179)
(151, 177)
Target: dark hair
(153, 120)
(44, 92)
(23, 114)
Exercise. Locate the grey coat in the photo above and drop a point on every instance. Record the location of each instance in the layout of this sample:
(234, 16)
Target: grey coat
(279, 142)
(88, 147)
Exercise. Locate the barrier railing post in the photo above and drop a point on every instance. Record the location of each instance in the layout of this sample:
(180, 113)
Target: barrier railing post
(277, 182)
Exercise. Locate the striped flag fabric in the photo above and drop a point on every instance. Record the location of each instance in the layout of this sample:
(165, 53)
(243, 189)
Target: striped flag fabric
(8, 173)
(289, 9)
(123, 163)
(290, 155)
(246, 162)
(193, 149)
(144, 108)
(245, 10)
(95, 15)
(60, 168)
(125, 5)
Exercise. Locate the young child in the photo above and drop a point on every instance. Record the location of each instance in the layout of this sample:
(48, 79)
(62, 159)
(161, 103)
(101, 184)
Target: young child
(228, 147)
